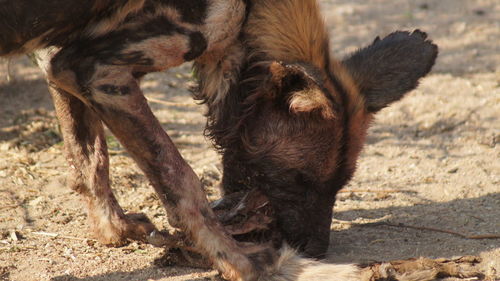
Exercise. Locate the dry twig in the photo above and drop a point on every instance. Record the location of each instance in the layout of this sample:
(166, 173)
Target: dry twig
(9, 206)
(372, 191)
(57, 235)
(424, 228)
(424, 269)
(169, 103)
(10, 76)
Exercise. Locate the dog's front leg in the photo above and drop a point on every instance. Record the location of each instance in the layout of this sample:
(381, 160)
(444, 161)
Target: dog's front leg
(133, 123)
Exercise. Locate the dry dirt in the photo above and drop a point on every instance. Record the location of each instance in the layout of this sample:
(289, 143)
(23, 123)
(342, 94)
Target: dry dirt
(432, 160)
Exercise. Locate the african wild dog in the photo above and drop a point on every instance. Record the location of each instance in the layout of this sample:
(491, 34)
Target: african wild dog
(290, 120)
(299, 115)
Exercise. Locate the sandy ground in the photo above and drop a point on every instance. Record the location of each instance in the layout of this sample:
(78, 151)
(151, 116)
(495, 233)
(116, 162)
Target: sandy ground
(432, 160)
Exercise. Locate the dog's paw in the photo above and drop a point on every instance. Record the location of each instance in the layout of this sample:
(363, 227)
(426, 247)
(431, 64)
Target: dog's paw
(119, 230)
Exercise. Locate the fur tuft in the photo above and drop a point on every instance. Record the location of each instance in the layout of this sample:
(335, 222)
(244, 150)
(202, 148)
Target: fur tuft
(288, 30)
(292, 267)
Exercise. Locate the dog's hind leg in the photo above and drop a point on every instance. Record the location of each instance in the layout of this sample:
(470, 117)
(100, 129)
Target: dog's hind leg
(87, 155)
(86, 151)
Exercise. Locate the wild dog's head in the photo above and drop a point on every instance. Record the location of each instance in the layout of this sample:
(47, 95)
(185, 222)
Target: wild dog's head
(294, 121)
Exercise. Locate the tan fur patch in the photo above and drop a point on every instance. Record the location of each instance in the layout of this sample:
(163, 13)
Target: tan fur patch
(35, 43)
(222, 24)
(311, 100)
(167, 51)
(288, 30)
(291, 266)
(218, 74)
(110, 23)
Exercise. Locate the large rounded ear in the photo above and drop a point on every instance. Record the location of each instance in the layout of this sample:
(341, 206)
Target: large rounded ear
(391, 67)
(299, 89)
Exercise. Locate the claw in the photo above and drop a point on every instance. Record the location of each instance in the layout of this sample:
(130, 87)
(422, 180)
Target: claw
(161, 239)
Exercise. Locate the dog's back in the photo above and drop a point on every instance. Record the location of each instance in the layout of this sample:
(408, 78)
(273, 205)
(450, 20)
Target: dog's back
(27, 25)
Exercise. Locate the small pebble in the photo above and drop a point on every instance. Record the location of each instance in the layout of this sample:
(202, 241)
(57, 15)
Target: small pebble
(424, 6)
(479, 12)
